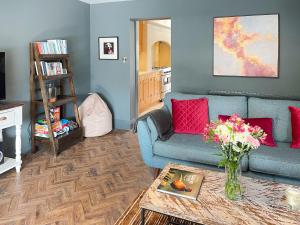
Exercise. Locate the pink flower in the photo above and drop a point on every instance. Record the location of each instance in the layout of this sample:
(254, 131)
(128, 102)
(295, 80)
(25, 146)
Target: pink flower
(256, 129)
(216, 139)
(238, 128)
(253, 141)
(250, 129)
(236, 119)
(225, 139)
(263, 138)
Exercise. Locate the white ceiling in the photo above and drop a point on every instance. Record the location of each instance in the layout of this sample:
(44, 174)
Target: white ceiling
(102, 1)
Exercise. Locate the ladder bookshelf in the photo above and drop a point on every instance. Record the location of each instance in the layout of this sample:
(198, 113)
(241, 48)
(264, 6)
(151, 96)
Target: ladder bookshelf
(40, 105)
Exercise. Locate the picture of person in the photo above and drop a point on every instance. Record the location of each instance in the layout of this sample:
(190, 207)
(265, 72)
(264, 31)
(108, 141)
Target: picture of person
(108, 48)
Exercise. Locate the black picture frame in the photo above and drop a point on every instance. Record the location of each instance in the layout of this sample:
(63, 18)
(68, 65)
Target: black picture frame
(108, 48)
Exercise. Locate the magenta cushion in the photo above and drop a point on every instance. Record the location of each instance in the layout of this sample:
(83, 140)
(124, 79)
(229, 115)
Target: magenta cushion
(190, 116)
(264, 123)
(295, 121)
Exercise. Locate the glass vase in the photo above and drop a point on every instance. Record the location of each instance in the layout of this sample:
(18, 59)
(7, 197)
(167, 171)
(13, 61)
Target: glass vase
(233, 186)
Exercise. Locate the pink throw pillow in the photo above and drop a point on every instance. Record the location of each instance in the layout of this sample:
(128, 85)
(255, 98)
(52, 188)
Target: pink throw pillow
(264, 123)
(295, 121)
(190, 116)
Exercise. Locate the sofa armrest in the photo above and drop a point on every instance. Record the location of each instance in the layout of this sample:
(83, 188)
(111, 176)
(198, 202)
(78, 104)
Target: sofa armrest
(160, 124)
(145, 141)
(153, 130)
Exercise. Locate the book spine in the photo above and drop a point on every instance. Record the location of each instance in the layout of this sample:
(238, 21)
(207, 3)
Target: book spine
(61, 68)
(44, 48)
(38, 46)
(64, 46)
(45, 69)
(60, 46)
(56, 68)
(36, 68)
(42, 66)
(52, 69)
(56, 47)
(49, 47)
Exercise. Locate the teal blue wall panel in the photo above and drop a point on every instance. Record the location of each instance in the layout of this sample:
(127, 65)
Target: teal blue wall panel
(192, 47)
(22, 22)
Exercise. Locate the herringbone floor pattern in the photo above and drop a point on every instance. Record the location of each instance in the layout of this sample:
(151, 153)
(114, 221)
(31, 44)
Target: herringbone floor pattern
(90, 183)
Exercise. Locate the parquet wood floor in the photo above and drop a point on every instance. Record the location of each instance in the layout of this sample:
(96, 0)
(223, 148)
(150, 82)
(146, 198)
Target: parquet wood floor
(90, 183)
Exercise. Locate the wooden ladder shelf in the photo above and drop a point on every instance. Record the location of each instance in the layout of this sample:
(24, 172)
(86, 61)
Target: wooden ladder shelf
(39, 100)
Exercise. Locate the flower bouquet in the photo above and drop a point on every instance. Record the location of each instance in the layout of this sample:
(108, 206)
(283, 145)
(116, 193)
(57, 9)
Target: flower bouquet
(235, 139)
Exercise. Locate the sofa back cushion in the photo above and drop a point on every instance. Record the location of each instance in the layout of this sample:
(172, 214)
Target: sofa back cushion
(277, 110)
(225, 105)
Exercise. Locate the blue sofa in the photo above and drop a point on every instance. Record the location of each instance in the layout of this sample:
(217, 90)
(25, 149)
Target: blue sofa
(279, 163)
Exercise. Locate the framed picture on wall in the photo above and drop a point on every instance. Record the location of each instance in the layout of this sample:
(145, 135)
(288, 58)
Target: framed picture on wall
(108, 48)
(246, 46)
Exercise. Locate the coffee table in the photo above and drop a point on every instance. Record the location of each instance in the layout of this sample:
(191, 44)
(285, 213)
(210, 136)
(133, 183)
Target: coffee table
(264, 202)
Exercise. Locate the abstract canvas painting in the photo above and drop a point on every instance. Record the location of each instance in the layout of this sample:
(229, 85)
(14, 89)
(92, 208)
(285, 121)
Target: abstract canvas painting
(246, 46)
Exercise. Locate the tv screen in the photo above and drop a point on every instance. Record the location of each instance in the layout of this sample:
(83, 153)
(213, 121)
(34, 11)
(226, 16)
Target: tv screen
(2, 75)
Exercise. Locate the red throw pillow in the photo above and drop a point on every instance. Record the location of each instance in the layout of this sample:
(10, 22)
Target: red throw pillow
(264, 123)
(295, 121)
(190, 116)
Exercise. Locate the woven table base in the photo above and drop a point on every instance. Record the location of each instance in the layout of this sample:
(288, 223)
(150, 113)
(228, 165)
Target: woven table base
(132, 216)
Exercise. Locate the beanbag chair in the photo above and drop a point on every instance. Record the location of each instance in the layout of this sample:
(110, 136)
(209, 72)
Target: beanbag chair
(96, 117)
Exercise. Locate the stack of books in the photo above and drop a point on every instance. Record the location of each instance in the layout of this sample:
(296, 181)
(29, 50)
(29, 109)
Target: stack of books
(58, 127)
(51, 68)
(52, 47)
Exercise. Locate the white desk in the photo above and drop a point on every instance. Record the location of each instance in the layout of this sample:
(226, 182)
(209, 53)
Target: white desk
(11, 115)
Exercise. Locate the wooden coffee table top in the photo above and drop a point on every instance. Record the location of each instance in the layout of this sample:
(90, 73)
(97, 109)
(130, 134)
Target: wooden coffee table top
(264, 202)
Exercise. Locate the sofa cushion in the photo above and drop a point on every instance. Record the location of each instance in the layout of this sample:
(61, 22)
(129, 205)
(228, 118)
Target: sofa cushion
(295, 121)
(226, 105)
(190, 116)
(190, 148)
(264, 123)
(278, 111)
(280, 161)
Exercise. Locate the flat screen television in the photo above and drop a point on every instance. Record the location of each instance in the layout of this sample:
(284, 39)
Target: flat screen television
(2, 75)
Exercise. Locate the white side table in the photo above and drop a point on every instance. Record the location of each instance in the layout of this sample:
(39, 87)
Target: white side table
(11, 115)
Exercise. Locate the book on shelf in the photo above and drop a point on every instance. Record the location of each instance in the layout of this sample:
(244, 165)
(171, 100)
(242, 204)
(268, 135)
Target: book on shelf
(181, 183)
(52, 47)
(51, 68)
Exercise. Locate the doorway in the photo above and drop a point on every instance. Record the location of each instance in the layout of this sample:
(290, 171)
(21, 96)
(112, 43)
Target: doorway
(153, 62)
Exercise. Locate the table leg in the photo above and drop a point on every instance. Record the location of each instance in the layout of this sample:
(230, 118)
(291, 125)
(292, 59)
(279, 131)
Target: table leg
(18, 148)
(143, 216)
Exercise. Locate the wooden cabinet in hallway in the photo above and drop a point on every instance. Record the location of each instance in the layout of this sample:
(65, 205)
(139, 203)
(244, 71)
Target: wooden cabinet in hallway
(149, 90)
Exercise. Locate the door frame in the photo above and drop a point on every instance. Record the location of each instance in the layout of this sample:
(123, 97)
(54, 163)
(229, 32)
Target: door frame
(134, 65)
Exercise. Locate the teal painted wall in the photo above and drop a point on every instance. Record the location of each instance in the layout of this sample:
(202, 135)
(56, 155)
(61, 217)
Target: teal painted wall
(25, 21)
(192, 48)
